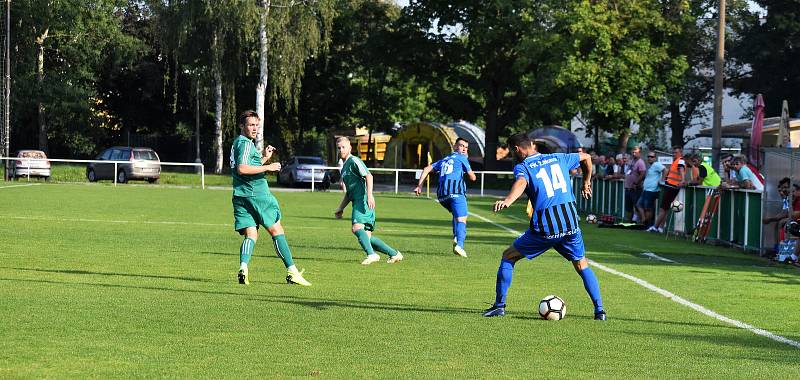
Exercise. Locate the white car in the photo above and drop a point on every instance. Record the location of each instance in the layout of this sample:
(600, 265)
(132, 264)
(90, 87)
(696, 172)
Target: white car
(30, 163)
(298, 170)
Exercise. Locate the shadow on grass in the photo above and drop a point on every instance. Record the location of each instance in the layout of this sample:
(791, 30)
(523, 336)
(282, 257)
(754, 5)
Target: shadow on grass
(314, 303)
(114, 274)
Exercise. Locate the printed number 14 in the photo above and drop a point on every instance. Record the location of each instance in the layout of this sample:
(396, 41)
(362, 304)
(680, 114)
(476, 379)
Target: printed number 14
(557, 182)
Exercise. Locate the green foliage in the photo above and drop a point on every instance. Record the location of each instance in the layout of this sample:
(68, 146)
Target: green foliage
(78, 39)
(771, 49)
(615, 63)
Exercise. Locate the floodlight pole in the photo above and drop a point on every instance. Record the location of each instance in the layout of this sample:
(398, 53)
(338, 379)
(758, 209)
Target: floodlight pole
(719, 62)
(7, 92)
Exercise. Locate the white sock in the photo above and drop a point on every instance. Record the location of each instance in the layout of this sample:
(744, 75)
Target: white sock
(243, 266)
(794, 257)
(292, 268)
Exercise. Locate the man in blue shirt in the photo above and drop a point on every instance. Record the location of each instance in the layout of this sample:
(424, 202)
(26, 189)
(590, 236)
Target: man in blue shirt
(554, 223)
(646, 202)
(451, 192)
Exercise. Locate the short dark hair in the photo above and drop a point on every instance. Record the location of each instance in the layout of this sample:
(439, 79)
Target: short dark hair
(462, 139)
(677, 147)
(736, 160)
(520, 139)
(785, 180)
(249, 113)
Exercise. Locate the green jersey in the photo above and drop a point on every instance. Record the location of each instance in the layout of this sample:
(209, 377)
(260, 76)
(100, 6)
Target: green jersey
(354, 174)
(244, 151)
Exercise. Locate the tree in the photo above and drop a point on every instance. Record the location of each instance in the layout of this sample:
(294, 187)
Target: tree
(62, 46)
(483, 59)
(617, 62)
(289, 32)
(771, 48)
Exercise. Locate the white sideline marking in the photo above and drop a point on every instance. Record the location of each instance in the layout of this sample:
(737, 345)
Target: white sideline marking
(657, 257)
(673, 296)
(25, 185)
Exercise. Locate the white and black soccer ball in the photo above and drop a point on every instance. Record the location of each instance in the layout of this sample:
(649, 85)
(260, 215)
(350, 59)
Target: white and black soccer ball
(552, 308)
(676, 206)
(591, 218)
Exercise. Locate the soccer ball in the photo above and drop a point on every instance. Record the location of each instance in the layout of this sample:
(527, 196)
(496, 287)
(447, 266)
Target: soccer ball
(676, 206)
(552, 308)
(591, 218)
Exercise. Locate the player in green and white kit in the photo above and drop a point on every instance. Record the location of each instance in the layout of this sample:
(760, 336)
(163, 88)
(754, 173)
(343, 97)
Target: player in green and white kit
(253, 204)
(358, 183)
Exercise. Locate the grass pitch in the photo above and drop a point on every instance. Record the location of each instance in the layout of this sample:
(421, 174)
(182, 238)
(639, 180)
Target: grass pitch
(98, 281)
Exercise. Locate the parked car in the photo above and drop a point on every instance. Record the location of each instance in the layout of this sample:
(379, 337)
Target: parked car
(141, 163)
(30, 163)
(298, 170)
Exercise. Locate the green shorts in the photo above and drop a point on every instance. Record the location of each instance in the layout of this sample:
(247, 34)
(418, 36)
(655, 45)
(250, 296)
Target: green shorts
(255, 211)
(363, 215)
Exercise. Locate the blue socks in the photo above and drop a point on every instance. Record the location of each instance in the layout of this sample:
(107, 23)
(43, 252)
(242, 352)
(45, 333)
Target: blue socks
(592, 287)
(504, 275)
(460, 232)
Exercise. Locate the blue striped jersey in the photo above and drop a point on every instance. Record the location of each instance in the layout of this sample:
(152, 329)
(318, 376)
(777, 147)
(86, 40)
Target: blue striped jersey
(451, 170)
(550, 192)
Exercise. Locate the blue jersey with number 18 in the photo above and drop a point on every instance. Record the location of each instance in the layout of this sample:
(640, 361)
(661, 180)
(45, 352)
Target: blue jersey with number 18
(550, 192)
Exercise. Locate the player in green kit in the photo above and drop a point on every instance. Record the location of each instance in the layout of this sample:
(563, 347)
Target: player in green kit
(358, 184)
(253, 204)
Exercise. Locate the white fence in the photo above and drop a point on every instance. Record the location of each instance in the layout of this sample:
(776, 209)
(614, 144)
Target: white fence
(417, 172)
(25, 163)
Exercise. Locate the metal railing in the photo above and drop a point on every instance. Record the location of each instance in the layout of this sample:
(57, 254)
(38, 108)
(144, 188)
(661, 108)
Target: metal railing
(417, 172)
(116, 165)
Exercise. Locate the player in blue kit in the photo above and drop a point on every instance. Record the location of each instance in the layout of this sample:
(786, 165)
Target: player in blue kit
(451, 192)
(554, 222)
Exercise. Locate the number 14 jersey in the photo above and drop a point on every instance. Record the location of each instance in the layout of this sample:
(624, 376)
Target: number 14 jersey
(550, 192)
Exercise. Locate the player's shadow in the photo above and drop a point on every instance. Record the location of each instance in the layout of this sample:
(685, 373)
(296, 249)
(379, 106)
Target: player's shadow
(314, 303)
(111, 274)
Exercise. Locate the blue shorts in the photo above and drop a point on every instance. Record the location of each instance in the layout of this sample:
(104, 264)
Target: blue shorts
(456, 205)
(647, 200)
(569, 246)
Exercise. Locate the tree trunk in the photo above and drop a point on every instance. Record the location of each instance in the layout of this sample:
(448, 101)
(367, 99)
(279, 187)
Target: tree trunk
(622, 143)
(492, 109)
(40, 106)
(596, 136)
(217, 69)
(676, 124)
(263, 74)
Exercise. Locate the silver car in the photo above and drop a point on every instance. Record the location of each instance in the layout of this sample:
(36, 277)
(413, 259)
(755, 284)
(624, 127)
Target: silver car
(141, 163)
(298, 170)
(30, 163)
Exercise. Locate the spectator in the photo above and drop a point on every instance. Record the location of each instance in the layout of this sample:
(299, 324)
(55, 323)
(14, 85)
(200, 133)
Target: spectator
(602, 167)
(745, 178)
(645, 204)
(753, 169)
(611, 168)
(790, 209)
(729, 175)
(634, 175)
(673, 181)
(706, 175)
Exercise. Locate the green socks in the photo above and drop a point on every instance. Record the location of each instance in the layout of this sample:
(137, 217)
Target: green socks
(282, 249)
(246, 250)
(363, 239)
(380, 246)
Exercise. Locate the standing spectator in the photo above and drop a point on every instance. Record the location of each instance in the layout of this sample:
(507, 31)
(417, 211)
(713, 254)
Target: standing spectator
(706, 175)
(602, 167)
(745, 178)
(673, 181)
(611, 167)
(634, 175)
(645, 204)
